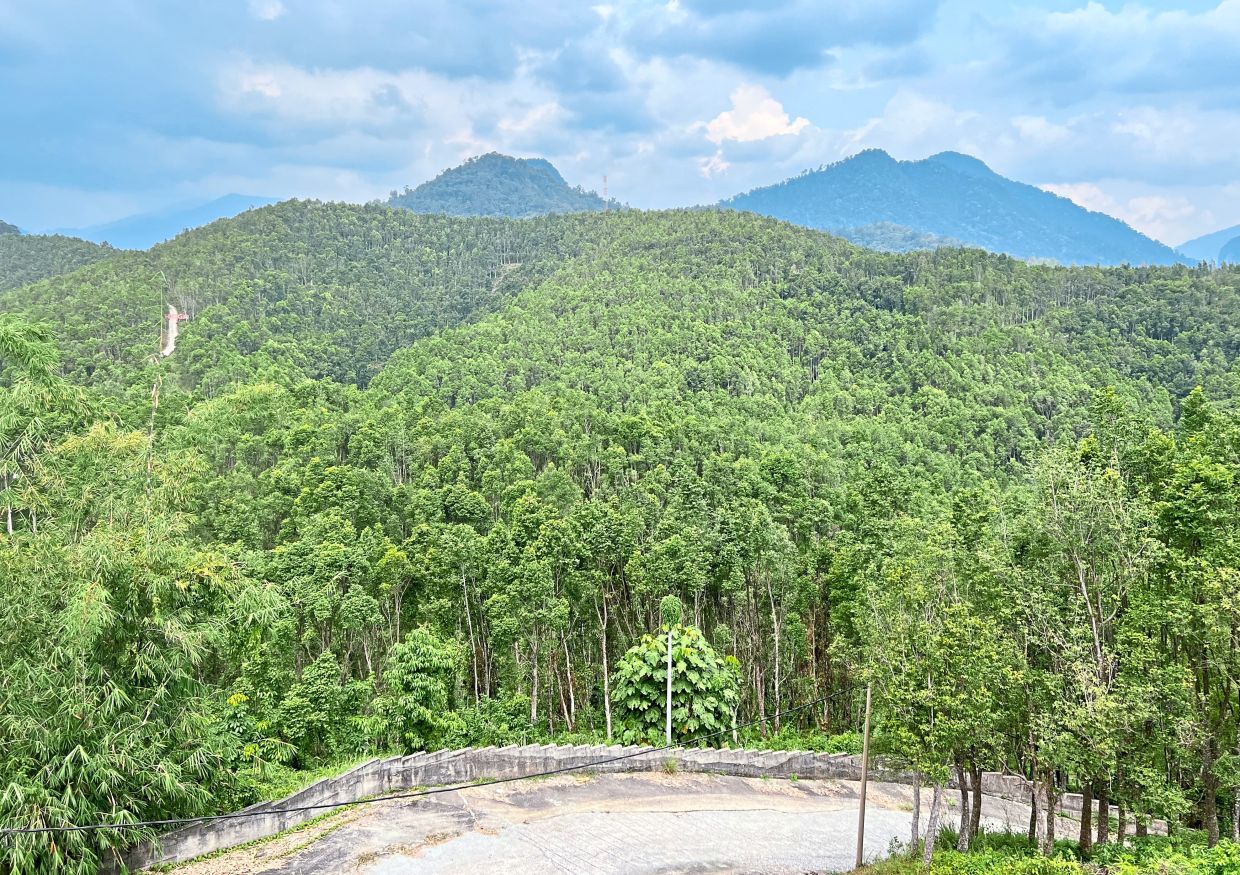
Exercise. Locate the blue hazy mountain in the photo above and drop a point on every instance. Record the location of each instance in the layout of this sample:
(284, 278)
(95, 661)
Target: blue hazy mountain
(1230, 254)
(499, 185)
(143, 230)
(1208, 247)
(953, 196)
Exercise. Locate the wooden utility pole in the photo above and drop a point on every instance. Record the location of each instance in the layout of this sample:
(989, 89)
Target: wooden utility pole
(865, 777)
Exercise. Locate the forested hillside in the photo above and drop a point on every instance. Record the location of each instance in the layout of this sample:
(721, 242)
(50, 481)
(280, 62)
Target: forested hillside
(300, 289)
(499, 185)
(29, 258)
(955, 196)
(416, 481)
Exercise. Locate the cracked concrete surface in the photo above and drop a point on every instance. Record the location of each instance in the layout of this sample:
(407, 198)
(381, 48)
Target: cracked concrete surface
(615, 823)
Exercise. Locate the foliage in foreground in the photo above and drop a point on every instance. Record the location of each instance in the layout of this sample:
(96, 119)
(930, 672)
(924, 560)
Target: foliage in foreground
(1015, 856)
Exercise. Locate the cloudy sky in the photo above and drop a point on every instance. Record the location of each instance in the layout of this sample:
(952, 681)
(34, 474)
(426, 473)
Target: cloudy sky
(111, 108)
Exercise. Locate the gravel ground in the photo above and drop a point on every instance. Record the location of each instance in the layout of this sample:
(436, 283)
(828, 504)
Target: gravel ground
(622, 823)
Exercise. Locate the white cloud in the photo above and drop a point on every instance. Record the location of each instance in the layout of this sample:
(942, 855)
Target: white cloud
(536, 117)
(712, 165)
(754, 115)
(266, 10)
(1161, 216)
(1039, 130)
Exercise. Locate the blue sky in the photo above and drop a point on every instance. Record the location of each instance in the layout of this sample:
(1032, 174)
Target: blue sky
(111, 108)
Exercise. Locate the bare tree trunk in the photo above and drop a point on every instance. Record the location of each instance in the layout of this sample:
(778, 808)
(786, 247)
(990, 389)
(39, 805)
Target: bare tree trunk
(1209, 782)
(916, 832)
(534, 683)
(1235, 804)
(606, 668)
(1033, 812)
(1046, 813)
(975, 825)
(966, 818)
(1104, 812)
(473, 643)
(932, 828)
(1086, 839)
(572, 697)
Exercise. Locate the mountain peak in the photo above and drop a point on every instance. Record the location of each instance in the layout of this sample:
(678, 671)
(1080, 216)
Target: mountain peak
(6, 228)
(962, 163)
(950, 196)
(495, 184)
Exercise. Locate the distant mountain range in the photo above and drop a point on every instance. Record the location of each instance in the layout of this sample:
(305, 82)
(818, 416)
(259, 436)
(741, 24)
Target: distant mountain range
(954, 196)
(1209, 247)
(1230, 254)
(499, 185)
(144, 230)
(6, 228)
(871, 199)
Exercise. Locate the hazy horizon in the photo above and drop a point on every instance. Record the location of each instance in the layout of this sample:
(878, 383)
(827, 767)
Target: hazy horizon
(1123, 107)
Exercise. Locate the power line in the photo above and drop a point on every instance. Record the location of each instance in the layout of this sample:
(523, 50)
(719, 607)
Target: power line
(210, 818)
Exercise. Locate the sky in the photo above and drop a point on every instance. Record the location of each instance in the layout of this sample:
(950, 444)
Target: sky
(108, 109)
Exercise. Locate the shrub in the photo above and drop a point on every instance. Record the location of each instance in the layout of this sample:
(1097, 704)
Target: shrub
(705, 688)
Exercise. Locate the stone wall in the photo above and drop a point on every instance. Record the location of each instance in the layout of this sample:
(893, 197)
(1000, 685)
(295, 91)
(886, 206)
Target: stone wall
(448, 767)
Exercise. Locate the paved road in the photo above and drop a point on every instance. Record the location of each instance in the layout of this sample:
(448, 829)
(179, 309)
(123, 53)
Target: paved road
(627, 823)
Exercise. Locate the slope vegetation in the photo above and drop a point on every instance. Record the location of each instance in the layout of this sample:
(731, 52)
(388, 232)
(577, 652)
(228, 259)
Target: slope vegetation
(29, 258)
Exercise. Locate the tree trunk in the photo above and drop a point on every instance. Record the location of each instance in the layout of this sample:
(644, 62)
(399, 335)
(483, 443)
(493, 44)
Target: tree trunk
(534, 683)
(1046, 818)
(966, 817)
(606, 669)
(932, 828)
(916, 831)
(1209, 783)
(1104, 811)
(1121, 823)
(975, 825)
(669, 686)
(1142, 828)
(1087, 827)
(1033, 812)
(1235, 804)
(572, 697)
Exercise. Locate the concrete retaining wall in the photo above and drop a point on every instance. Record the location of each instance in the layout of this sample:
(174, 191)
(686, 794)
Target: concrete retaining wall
(446, 767)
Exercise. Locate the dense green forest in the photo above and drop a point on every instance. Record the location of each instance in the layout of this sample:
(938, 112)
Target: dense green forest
(958, 197)
(29, 258)
(887, 237)
(499, 185)
(411, 481)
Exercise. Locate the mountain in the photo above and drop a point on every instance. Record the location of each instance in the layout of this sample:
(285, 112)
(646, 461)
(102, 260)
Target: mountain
(498, 185)
(1230, 254)
(6, 229)
(403, 465)
(144, 230)
(28, 258)
(1208, 246)
(955, 196)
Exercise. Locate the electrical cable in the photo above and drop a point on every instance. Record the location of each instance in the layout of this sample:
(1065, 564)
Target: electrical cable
(209, 818)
